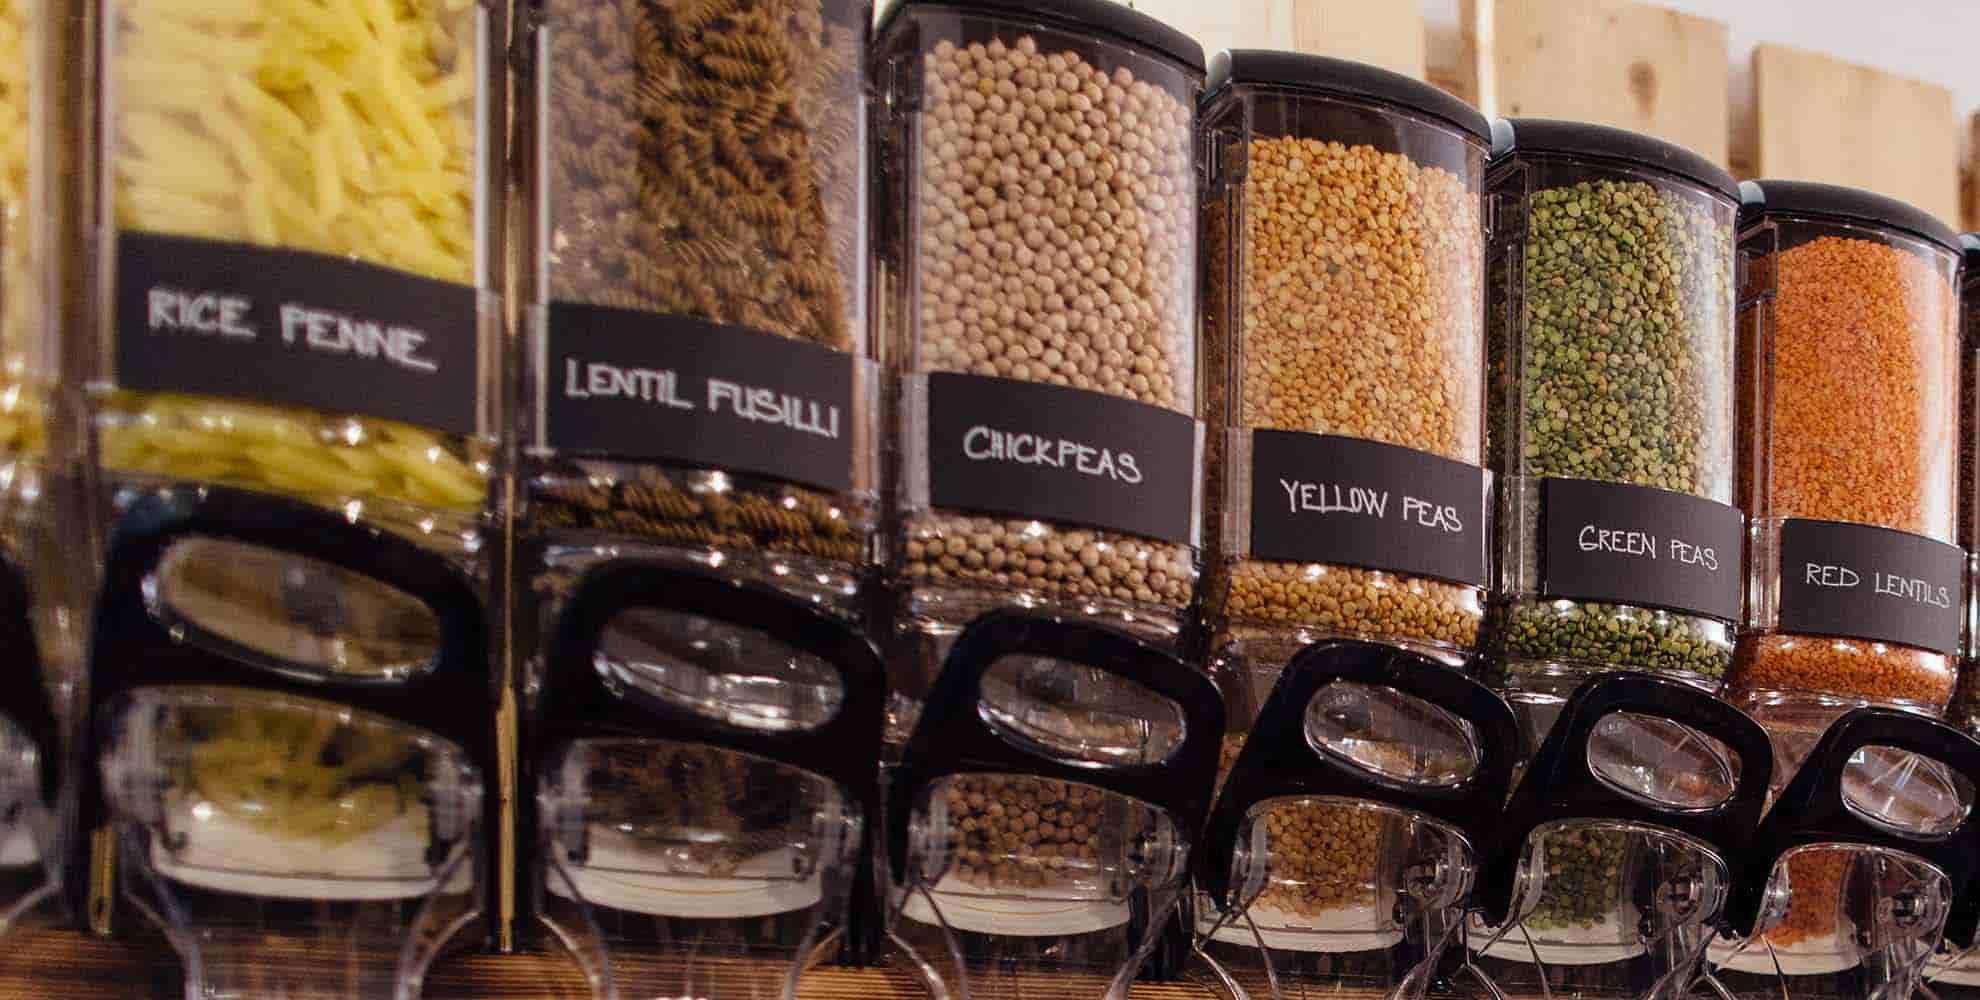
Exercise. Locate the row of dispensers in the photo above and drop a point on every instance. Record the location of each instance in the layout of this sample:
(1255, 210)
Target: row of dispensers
(718, 796)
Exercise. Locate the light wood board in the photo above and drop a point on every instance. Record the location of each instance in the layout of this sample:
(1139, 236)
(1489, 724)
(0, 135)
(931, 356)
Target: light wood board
(1385, 33)
(1631, 65)
(1819, 118)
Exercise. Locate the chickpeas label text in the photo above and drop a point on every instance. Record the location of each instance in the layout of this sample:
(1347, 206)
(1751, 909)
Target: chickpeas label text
(982, 443)
(635, 385)
(293, 328)
(1321, 498)
(1054, 453)
(1860, 582)
(1638, 546)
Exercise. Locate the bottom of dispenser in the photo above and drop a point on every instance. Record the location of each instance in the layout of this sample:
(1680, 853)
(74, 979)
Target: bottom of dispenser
(611, 877)
(1011, 916)
(1597, 943)
(1822, 957)
(1336, 931)
(1961, 971)
(234, 857)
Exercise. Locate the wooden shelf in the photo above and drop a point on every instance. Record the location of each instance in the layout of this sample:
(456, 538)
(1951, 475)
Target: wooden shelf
(40, 964)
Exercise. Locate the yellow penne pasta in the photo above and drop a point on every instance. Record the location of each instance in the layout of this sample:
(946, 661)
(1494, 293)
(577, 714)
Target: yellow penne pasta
(295, 468)
(340, 126)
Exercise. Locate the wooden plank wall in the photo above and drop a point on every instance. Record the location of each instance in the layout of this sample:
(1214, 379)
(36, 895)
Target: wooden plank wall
(1646, 68)
(1819, 118)
(1386, 33)
(1610, 62)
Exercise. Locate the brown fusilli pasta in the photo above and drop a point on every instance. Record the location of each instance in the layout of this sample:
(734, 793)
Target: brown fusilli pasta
(705, 163)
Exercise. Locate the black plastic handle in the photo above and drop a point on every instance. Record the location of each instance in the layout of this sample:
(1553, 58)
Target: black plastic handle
(1278, 760)
(578, 703)
(1559, 784)
(952, 737)
(130, 648)
(1812, 809)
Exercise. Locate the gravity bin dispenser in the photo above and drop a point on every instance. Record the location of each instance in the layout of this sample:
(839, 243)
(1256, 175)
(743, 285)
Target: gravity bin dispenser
(1038, 272)
(1404, 762)
(699, 382)
(703, 763)
(1621, 844)
(291, 833)
(45, 573)
(1041, 820)
(1852, 876)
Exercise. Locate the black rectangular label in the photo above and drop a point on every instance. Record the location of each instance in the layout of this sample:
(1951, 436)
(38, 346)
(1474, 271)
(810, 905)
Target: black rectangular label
(1861, 582)
(294, 328)
(644, 385)
(1026, 449)
(1329, 499)
(1640, 545)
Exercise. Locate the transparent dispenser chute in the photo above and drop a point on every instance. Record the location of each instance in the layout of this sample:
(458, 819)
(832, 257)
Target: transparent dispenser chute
(706, 757)
(1352, 733)
(1040, 822)
(1865, 878)
(1616, 853)
(295, 834)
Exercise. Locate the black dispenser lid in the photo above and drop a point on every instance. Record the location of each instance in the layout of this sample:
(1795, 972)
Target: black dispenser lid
(1326, 75)
(1102, 17)
(1515, 136)
(1840, 204)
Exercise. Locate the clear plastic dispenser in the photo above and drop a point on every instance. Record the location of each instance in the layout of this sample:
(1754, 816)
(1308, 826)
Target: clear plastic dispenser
(44, 579)
(1857, 862)
(41, 446)
(1344, 352)
(1610, 317)
(1850, 367)
(1037, 273)
(1353, 734)
(292, 834)
(699, 379)
(1621, 843)
(1040, 822)
(705, 756)
(295, 289)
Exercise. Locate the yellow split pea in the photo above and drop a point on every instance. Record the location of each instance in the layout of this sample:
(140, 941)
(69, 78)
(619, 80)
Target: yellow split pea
(1361, 317)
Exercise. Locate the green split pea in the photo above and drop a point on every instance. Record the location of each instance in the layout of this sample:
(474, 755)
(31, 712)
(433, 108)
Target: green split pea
(1627, 300)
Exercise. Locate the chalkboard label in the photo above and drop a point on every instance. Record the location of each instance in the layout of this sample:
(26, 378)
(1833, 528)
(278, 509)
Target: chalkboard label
(1639, 545)
(1860, 582)
(1032, 450)
(1347, 501)
(295, 329)
(640, 385)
